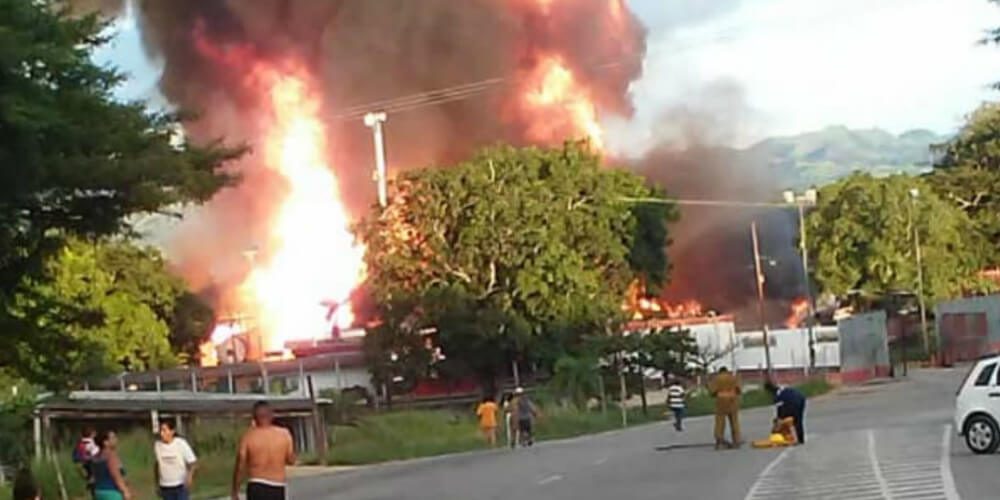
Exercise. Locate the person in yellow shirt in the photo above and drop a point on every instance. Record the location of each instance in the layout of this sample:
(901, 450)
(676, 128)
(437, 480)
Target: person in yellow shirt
(725, 388)
(487, 414)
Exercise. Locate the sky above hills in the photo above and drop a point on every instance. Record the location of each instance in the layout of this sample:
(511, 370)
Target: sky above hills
(776, 67)
(756, 68)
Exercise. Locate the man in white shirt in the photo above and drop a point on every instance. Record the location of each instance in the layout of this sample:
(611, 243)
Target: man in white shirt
(175, 464)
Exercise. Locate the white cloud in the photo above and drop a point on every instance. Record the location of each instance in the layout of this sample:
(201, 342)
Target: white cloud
(894, 64)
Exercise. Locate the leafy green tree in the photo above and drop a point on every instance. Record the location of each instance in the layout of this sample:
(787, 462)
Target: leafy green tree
(511, 245)
(861, 239)
(577, 379)
(107, 305)
(76, 162)
(395, 347)
(968, 173)
(190, 322)
(17, 402)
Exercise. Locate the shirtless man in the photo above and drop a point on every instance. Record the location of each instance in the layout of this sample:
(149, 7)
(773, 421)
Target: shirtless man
(265, 450)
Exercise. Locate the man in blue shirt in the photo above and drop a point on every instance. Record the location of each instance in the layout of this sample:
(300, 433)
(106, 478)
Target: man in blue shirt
(790, 402)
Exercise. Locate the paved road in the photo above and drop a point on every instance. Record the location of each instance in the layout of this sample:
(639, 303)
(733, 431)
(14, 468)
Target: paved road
(888, 441)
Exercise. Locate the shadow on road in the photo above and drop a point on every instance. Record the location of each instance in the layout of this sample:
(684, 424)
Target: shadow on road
(684, 446)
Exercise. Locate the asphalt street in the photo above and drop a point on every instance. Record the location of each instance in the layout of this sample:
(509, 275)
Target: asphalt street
(884, 441)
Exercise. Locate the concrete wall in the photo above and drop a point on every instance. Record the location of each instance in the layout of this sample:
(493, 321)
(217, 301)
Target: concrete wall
(967, 328)
(789, 349)
(864, 347)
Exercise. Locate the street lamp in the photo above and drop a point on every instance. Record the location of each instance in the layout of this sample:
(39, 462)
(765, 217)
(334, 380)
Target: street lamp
(374, 121)
(801, 201)
(914, 195)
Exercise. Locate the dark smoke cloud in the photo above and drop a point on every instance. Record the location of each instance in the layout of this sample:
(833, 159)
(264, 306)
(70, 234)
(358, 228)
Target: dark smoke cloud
(711, 253)
(362, 51)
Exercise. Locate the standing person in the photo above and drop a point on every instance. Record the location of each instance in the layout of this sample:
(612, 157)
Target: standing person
(175, 464)
(790, 402)
(109, 473)
(725, 388)
(487, 414)
(83, 454)
(525, 412)
(675, 401)
(265, 450)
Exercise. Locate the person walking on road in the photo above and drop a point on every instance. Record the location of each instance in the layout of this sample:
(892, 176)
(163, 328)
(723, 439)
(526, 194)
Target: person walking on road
(675, 401)
(525, 412)
(175, 464)
(108, 471)
(790, 402)
(265, 450)
(486, 412)
(725, 388)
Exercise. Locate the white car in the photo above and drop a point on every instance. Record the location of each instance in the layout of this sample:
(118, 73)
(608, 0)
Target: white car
(977, 406)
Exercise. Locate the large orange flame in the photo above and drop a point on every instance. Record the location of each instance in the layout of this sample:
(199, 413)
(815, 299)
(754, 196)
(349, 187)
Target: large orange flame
(798, 313)
(554, 105)
(312, 262)
(563, 109)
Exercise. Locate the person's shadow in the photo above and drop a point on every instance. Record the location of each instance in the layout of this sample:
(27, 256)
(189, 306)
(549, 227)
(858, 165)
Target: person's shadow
(683, 446)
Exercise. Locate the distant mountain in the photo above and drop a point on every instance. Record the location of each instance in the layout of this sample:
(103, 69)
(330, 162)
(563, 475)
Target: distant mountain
(816, 158)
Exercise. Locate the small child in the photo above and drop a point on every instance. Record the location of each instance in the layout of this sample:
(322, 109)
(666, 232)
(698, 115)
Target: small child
(487, 413)
(675, 401)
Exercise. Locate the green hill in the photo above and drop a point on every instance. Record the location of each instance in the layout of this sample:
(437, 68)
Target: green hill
(816, 158)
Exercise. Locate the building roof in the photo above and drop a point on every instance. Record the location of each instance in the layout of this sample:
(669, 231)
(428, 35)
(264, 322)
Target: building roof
(98, 402)
(307, 364)
(645, 324)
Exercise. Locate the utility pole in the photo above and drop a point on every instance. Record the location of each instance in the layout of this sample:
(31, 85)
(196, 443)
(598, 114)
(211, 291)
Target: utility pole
(374, 121)
(914, 194)
(623, 392)
(759, 276)
(809, 198)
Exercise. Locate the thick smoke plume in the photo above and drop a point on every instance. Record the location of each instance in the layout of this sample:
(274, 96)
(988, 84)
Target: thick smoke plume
(711, 253)
(364, 51)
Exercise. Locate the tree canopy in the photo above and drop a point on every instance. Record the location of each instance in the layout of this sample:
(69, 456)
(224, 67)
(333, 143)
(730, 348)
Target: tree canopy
(107, 305)
(861, 239)
(968, 173)
(513, 247)
(75, 164)
(73, 160)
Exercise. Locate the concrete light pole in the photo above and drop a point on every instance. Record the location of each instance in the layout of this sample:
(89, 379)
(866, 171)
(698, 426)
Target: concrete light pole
(759, 277)
(806, 199)
(914, 194)
(374, 121)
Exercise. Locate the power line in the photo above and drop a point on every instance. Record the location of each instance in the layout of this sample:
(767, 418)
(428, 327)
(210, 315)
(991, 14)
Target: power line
(707, 203)
(464, 91)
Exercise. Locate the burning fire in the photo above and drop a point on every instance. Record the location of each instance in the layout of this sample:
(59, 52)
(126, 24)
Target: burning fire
(799, 312)
(300, 281)
(641, 306)
(564, 108)
(313, 260)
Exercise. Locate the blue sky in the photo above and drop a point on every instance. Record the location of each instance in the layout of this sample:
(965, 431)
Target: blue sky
(771, 67)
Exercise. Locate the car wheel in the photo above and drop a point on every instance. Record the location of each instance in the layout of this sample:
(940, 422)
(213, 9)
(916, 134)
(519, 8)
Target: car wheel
(982, 435)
